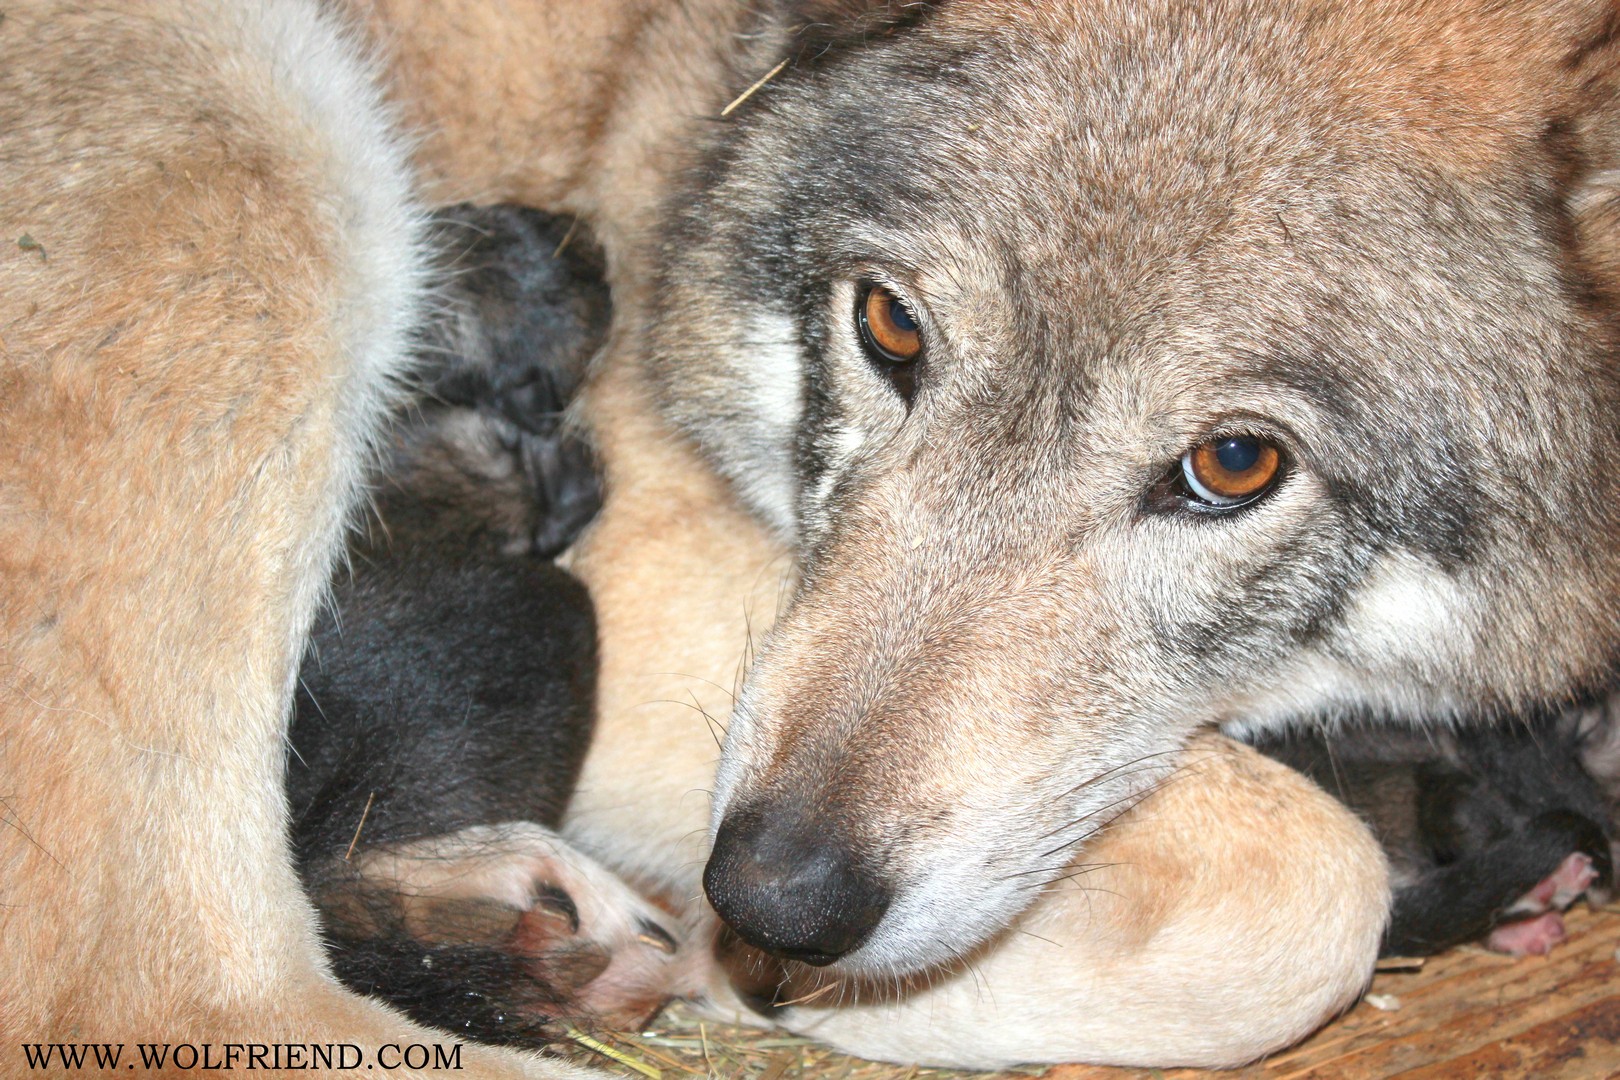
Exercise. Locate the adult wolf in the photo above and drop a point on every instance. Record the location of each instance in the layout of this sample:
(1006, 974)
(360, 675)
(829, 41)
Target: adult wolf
(212, 274)
(1258, 366)
(1121, 368)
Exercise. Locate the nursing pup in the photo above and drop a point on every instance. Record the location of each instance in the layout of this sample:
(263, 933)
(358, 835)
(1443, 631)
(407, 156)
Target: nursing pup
(213, 279)
(1491, 831)
(446, 702)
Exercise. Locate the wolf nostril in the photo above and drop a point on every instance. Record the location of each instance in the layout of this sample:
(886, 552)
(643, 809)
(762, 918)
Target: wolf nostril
(808, 956)
(788, 884)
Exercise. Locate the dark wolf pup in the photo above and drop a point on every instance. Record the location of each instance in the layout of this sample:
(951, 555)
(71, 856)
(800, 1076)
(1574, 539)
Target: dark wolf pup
(1079, 373)
(1491, 831)
(445, 705)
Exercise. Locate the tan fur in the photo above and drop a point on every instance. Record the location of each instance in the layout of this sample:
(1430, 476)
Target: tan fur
(574, 107)
(1461, 81)
(1238, 882)
(682, 579)
(185, 410)
(160, 475)
(1109, 963)
(187, 395)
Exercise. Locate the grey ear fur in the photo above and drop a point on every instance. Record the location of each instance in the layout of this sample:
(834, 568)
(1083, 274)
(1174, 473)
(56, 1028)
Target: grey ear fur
(806, 32)
(817, 27)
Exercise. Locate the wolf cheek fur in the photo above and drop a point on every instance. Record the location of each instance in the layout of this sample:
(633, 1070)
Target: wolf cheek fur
(1210, 221)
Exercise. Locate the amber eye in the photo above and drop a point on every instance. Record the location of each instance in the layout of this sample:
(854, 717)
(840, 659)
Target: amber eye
(1231, 471)
(888, 328)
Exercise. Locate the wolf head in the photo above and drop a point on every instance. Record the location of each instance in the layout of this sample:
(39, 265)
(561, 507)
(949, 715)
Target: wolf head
(1122, 366)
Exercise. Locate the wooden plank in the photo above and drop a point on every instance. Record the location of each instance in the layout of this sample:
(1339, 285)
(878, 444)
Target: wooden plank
(1460, 1027)
(1468, 1013)
(1460, 1007)
(1582, 1044)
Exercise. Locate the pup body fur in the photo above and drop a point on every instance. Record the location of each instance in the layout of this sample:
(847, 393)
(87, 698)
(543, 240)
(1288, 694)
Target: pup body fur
(1485, 828)
(195, 364)
(446, 700)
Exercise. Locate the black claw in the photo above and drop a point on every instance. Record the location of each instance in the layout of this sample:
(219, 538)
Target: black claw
(555, 900)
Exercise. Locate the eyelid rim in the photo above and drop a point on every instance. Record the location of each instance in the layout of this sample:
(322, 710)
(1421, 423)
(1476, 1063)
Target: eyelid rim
(1168, 494)
(868, 277)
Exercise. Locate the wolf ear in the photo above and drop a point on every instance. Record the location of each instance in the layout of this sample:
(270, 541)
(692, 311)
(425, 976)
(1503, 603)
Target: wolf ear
(816, 27)
(804, 32)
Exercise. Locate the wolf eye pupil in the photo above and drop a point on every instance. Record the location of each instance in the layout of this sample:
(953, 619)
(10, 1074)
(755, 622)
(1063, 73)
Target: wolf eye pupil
(1238, 455)
(901, 318)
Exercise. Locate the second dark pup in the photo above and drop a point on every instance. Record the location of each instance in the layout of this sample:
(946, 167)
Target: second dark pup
(1491, 831)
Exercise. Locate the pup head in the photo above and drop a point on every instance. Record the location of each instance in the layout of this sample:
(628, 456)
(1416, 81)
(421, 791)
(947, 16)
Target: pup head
(1122, 366)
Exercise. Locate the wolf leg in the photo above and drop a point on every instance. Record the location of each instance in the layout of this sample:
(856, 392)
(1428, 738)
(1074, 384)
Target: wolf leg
(1226, 916)
(207, 281)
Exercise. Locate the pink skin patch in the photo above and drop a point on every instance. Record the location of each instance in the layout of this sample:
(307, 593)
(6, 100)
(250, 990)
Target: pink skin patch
(1569, 881)
(1554, 893)
(1528, 937)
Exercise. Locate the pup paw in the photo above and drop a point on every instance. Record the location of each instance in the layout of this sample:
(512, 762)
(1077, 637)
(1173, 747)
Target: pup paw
(1528, 937)
(1559, 889)
(1536, 934)
(1566, 884)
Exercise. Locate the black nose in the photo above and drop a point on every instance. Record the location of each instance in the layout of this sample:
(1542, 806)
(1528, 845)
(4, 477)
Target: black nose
(791, 885)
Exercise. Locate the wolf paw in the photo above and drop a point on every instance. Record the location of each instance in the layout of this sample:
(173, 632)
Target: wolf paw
(504, 931)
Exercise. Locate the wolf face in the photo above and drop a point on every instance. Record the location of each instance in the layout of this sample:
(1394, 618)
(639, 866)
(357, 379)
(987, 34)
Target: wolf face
(1122, 367)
